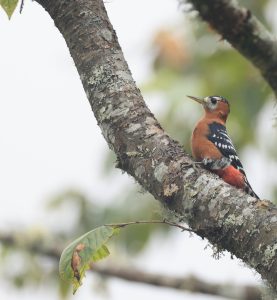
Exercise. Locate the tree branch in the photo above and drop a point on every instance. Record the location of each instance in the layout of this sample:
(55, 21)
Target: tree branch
(244, 32)
(227, 217)
(189, 283)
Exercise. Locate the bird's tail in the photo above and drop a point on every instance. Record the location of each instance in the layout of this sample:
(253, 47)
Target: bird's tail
(248, 189)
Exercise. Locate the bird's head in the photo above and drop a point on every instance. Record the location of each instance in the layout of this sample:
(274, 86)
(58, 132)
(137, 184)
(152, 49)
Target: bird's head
(215, 106)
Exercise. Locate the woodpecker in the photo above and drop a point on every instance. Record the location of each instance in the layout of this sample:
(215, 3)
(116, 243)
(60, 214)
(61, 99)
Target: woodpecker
(212, 146)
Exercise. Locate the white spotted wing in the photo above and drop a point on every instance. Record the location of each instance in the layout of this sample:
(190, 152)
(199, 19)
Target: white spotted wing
(219, 137)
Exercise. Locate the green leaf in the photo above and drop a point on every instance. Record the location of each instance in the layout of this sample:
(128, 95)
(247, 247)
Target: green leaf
(9, 6)
(77, 258)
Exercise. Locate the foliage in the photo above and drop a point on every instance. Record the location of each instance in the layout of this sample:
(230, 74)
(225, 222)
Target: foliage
(8, 6)
(91, 247)
(77, 258)
(34, 270)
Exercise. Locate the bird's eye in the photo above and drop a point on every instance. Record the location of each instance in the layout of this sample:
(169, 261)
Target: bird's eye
(213, 100)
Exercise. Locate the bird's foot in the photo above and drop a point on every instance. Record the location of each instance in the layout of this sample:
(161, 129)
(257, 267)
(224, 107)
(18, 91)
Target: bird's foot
(216, 164)
(194, 164)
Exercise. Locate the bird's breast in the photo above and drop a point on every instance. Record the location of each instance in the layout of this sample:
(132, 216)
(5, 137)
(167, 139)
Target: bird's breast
(201, 147)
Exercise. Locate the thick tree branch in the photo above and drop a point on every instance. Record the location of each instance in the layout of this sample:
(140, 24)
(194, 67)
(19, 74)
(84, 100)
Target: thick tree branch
(227, 217)
(244, 32)
(189, 283)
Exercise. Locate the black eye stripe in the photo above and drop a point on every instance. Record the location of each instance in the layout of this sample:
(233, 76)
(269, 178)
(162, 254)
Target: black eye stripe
(213, 100)
(219, 98)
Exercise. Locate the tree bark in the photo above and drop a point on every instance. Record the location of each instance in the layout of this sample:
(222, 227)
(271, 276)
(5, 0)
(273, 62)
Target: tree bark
(227, 217)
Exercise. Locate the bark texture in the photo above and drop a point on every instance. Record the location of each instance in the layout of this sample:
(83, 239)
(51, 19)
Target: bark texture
(227, 217)
(244, 32)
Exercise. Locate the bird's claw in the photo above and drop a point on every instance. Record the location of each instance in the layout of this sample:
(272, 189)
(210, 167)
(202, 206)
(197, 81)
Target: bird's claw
(195, 164)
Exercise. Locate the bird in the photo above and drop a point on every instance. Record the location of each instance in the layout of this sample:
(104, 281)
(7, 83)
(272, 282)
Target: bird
(212, 146)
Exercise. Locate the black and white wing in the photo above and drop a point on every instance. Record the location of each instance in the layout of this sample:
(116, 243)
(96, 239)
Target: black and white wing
(219, 137)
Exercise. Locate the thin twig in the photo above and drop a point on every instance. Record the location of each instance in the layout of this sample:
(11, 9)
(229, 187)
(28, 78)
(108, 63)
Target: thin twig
(21, 6)
(121, 225)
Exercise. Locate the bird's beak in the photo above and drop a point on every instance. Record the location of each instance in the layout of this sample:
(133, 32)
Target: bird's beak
(197, 99)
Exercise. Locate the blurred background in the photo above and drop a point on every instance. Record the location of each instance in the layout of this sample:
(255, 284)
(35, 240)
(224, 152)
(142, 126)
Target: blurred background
(57, 174)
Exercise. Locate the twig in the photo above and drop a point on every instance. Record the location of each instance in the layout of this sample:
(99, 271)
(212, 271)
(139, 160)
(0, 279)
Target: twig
(21, 6)
(121, 225)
